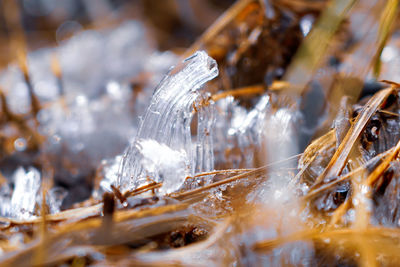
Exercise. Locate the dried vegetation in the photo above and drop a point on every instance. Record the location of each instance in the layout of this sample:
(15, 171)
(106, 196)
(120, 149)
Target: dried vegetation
(344, 210)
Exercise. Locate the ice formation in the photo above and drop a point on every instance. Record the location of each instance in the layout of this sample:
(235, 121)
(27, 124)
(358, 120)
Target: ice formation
(26, 188)
(109, 171)
(390, 59)
(22, 201)
(241, 134)
(166, 128)
(90, 111)
(55, 198)
(159, 160)
(117, 54)
(80, 125)
(238, 132)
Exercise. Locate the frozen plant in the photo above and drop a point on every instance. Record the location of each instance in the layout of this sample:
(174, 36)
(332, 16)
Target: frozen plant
(166, 128)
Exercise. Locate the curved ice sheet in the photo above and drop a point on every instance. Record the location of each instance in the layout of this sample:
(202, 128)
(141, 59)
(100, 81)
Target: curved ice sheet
(166, 133)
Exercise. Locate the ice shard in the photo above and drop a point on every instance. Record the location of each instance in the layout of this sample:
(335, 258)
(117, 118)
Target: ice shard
(5, 199)
(166, 128)
(26, 188)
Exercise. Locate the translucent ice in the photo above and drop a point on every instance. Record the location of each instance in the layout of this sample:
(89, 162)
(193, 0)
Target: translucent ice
(110, 55)
(23, 199)
(159, 160)
(241, 134)
(167, 121)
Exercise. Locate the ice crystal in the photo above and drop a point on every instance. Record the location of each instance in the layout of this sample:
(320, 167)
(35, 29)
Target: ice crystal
(159, 160)
(109, 171)
(167, 122)
(55, 197)
(26, 187)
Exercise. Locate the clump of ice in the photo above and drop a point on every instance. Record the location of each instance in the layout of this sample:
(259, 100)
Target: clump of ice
(5, 200)
(167, 122)
(94, 129)
(162, 162)
(55, 198)
(22, 201)
(26, 188)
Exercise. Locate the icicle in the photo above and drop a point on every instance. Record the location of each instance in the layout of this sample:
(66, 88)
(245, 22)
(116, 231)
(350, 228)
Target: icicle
(23, 199)
(168, 123)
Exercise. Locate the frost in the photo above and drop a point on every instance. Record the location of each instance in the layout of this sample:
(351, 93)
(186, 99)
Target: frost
(167, 122)
(23, 199)
(108, 55)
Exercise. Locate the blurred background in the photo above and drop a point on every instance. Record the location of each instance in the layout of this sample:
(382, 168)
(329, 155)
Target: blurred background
(174, 24)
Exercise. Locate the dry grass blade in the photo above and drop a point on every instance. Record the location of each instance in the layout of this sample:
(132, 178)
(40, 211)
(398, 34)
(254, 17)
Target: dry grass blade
(248, 90)
(70, 214)
(339, 159)
(187, 194)
(316, 146)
